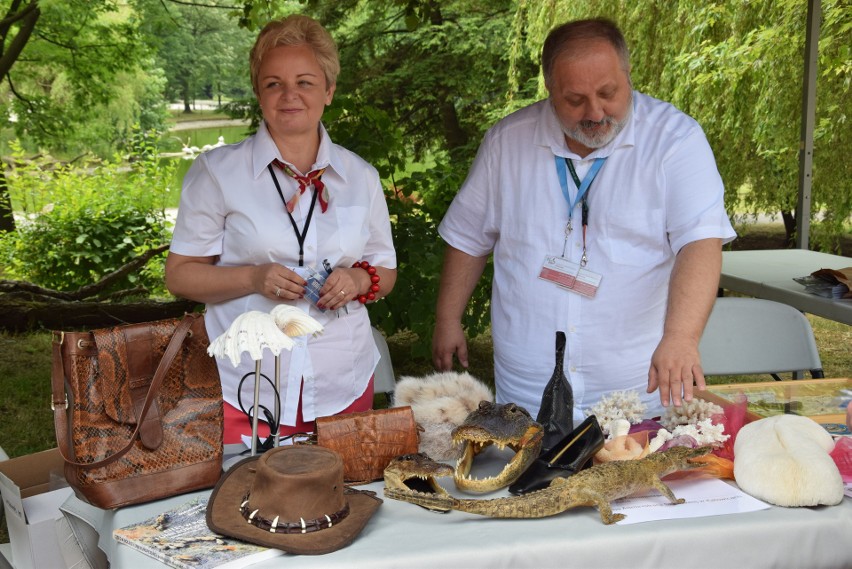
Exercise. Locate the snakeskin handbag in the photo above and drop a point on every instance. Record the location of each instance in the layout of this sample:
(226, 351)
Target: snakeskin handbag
(137, 411)
(369, 440)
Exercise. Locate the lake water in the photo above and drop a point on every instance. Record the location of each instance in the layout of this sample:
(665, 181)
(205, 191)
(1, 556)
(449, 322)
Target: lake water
(174, 141)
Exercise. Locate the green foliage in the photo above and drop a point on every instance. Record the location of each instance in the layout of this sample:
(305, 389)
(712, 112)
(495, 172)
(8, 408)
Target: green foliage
(86, 220)
(416, 207)
(81, 57)
(197, 45)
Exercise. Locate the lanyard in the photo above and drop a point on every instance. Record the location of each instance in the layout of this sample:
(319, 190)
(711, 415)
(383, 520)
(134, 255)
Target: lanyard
(582, 193)
(300, 237)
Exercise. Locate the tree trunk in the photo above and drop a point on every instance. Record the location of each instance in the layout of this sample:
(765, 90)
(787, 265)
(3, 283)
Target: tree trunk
(24, 315)
(187, 99)
(7, 219)
(789, 228)
(22, 22)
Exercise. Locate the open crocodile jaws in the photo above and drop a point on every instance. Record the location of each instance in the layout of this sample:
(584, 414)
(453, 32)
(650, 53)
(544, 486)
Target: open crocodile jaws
(501, 425)
(596, 486)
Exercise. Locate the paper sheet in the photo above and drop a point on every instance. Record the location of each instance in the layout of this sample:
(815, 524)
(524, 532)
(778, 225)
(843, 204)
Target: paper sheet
(704, 497)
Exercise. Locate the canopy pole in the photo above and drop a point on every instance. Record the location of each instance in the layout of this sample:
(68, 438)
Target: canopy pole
(806, 139)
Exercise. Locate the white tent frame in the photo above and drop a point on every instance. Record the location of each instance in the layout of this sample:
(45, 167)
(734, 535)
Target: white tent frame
(806, 142)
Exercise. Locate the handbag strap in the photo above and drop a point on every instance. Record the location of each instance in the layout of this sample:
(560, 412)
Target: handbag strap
(60, 398)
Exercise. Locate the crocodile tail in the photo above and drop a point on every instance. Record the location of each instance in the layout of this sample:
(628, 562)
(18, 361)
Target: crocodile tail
(532, 505)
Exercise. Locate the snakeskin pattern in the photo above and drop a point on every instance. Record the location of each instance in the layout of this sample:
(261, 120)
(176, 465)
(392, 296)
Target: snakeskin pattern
(101, 415)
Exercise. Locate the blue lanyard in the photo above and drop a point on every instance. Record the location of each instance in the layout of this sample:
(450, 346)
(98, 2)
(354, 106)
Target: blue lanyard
(582, 192)
(582, 188)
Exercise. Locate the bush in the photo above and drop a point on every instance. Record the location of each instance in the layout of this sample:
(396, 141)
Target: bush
(82, 221)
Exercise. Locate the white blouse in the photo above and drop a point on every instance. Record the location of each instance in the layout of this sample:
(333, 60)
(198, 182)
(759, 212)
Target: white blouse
(230, 208)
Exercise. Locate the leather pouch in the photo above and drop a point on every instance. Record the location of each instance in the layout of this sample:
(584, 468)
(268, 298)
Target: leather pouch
(368, 441)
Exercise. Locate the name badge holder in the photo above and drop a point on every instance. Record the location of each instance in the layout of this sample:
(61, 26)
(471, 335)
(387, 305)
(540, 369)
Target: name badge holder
(559, 270)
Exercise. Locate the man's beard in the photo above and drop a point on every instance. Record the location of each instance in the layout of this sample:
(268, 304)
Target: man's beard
(607, 129)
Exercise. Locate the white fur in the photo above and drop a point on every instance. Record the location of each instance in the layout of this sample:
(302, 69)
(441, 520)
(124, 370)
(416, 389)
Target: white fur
(440, 402)
(784, 460)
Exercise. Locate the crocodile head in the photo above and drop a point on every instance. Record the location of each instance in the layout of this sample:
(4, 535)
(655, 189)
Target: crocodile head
(679, 458)
(417, 473)
(413, 478)
(501, 425)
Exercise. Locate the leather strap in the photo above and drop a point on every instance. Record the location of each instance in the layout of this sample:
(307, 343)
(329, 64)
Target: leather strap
(60, 400)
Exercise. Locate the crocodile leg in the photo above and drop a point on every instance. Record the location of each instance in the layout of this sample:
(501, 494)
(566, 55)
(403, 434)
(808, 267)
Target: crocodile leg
(666, 491)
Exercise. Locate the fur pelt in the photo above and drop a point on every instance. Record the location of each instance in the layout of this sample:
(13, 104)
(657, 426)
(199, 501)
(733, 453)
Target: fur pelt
(440, 402)
(784, 460)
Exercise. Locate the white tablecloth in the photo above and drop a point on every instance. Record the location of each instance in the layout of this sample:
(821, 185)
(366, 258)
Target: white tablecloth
(408, 537)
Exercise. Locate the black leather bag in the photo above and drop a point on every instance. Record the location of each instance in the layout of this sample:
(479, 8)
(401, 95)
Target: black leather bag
(556, 413)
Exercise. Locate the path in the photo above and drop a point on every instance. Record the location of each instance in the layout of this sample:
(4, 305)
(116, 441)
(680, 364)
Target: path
(189, 125)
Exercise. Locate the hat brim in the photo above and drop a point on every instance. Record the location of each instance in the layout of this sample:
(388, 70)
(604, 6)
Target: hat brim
(224, 517)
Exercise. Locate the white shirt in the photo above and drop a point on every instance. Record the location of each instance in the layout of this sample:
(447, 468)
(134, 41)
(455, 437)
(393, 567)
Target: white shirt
(229, 208)
(658, 190)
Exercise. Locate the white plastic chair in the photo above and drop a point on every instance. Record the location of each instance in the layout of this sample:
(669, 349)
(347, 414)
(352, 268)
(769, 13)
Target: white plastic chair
(384, 381)
(754, 336)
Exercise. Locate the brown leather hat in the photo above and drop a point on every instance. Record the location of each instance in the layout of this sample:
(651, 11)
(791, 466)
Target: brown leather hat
(290, 498)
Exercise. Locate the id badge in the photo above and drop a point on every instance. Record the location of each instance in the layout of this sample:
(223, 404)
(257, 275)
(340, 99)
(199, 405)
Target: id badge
(587, 283)
(559, 271)
(570, 275)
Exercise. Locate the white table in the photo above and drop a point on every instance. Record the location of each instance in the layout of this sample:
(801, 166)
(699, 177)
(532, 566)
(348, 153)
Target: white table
(406, 536)
(769, 274)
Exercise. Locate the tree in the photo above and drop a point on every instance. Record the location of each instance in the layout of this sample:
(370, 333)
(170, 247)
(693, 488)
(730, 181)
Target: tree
(58, 66)
(198, 46)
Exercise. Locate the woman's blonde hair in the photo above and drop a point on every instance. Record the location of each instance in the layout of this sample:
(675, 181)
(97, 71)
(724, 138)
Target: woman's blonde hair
(296, 30)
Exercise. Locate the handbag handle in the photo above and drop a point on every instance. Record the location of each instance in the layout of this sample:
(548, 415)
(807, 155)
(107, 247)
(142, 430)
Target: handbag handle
(60, 399)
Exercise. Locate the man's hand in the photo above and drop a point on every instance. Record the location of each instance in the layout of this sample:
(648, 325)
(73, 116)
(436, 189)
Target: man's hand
(675, 366)
(448, 340)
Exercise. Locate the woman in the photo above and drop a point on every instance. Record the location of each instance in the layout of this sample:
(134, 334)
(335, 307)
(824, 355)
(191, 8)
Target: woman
(254, 217)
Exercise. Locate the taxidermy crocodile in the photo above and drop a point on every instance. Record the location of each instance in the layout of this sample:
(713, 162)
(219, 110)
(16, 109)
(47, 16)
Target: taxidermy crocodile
(416, 472)
(501, 425)
(596, 486)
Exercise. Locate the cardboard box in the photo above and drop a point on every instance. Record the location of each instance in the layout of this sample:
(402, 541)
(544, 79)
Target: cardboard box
(31, 491)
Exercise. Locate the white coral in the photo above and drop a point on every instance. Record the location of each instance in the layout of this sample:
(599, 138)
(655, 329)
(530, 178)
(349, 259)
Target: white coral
(618, 405)
(250, 332)
(616, 428)
(689, 413)
(704, 432)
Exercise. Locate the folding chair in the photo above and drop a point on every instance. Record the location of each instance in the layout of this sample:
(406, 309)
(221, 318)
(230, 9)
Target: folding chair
(754, 336)
(384, 381)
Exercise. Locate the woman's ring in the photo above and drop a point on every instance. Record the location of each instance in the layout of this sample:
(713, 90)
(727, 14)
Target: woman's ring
(343, 293)
(278, 291)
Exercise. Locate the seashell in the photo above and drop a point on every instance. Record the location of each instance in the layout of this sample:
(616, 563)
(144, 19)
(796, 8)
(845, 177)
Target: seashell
(294, 322)
(250, 332)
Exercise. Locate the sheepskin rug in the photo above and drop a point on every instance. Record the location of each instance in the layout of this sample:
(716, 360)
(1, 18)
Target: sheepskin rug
(440, 402)
(784, 460)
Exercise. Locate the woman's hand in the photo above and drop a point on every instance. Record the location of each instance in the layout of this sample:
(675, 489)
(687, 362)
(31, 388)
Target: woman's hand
(277, 282)
(342, 285)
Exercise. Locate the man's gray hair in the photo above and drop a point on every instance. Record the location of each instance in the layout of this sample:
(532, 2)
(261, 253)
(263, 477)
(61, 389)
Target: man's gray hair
(568, 36)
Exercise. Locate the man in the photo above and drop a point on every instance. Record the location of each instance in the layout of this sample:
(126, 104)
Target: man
(603, 209)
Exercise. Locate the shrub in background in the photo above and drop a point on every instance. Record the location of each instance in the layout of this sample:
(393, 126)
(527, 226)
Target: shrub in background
(85, 219)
